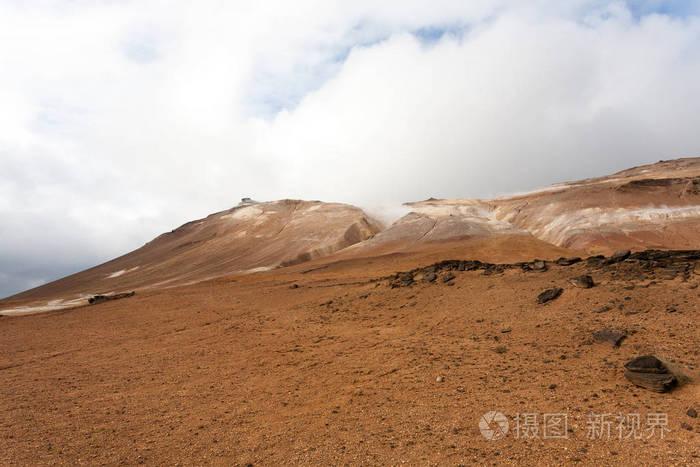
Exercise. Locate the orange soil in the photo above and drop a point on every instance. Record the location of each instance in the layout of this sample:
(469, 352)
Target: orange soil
(342, 370)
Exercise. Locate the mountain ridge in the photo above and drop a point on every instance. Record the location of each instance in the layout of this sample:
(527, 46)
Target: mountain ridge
(648, 206)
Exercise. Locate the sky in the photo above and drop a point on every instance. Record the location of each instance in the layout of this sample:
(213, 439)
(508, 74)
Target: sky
(120, 120)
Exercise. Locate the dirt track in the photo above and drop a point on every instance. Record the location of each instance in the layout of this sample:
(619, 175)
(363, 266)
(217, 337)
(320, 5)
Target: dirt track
(342, 370)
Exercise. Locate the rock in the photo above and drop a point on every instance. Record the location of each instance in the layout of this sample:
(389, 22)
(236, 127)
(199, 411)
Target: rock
(686, 426)
(567, 261)
(650, 373)
(595, 261)
(609, 337)
(440, 379)
(294, 286)
(646, 364)
(539, 265)
(603, 309)
(619, 255)
(104, 298)
(402, 279)
(582, 282)
(657, 382)
(692, 413)
(429, 277)
(461, 389)
(448, 277)
(549, 295)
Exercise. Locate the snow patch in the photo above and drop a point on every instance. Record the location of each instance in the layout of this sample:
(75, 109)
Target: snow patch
(244, 213)
(121, 272)
(58, 304)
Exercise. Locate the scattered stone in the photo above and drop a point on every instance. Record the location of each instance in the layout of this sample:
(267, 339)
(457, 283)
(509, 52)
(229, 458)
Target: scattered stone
(582, 282)
(552, 386)
(603, 309)
(539, 265)
(500, 349)
(692, 413)
(461, 389)
(504, 331)
(440, 379)
(609, 337)
(294, 286)
(448, 277)
(686, 426)
(549, 295)
(104, 298)
(650, 373)
(670, 310)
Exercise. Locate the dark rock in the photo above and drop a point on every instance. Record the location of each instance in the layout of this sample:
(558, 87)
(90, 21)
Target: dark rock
(595, 261)
(619, 255)
(583, 282)
(448, 277)
(429, 277)
(549, 295)
(402, 279)
(603, 309)
(650, 373)
(657, 382)
(294, 286)
(646, 364)
(567, 261)
(686, 426)
(609, 337)
(692, 413)
(105, 298)
(539, 265)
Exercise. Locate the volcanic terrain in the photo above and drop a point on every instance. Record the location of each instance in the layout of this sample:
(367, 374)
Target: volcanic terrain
(299, 332)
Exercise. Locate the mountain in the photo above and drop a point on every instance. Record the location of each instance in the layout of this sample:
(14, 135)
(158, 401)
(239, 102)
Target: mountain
(652, 206)
(250, 237)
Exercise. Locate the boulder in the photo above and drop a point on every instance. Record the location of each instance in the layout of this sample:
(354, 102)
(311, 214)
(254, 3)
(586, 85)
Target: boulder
(619, 255)
(583, 282)
(650, 373)
(610, 337)
(429, 277)
(549, 295)
(567, 261)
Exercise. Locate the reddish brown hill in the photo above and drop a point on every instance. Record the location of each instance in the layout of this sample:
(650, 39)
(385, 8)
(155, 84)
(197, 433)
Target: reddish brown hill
(248, 238)
(652, 206)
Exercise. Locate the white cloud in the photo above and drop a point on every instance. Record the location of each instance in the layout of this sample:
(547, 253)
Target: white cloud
(124, 119)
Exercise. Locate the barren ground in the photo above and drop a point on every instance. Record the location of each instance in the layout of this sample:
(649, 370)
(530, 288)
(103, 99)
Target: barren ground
(344, 370)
